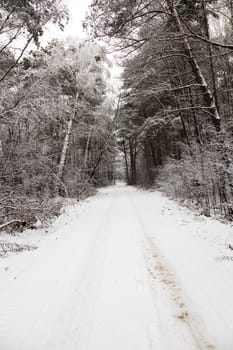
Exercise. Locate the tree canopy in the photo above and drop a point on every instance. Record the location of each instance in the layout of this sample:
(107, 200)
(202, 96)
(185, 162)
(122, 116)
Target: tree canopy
(175, 119)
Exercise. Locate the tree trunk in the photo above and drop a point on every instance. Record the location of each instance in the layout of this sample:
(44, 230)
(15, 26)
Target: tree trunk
(126, 163)
(86, 154)
(210, 50)
(66, 141)
(231, 9)
(69, 129)
(199, 77)
(153, 153)
(132, 152)
(148, 162)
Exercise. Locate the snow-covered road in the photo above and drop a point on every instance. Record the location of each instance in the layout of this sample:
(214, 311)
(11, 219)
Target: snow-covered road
(128, 270)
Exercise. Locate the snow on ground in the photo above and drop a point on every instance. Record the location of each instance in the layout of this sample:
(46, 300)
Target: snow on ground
(126, 269)
(195, 264)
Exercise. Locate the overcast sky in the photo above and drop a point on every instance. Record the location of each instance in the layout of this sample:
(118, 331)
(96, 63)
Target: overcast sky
(77, 10)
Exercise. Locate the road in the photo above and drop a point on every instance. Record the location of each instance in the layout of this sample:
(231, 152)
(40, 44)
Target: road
(98, 284)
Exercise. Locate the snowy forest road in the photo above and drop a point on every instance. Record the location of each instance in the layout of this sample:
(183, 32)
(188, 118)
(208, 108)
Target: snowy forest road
(101, 282)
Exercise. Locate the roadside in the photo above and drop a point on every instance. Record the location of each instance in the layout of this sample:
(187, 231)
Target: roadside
(190, 255)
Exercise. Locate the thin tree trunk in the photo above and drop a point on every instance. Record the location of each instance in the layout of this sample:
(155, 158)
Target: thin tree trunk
(87, 150)
(67, 140)
(196, 125)
(126, 163)
(18, 59)
(95, 168)
(210, 50)
(132, 163)
(68, 132)
(231, 9)
(148, 162)
(153, 153)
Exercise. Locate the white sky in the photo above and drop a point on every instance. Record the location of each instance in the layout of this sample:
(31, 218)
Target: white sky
(77, 10)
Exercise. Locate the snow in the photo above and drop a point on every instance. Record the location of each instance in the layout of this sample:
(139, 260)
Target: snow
(127, 269)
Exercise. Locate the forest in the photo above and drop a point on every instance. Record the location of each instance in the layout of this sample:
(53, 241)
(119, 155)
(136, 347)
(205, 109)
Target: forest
(116, 174)
(63, 130)
(175, 125)
(56, 138)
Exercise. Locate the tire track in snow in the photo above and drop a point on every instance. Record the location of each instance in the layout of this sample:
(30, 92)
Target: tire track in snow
(162, 273)
(122, 313)
(101, 297)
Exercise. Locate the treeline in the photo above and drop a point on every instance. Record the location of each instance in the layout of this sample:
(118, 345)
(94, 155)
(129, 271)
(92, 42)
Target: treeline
(176, 123)
(56, 134)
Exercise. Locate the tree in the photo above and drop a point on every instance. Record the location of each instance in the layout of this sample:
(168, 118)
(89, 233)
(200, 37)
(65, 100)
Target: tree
(177, 84)
(24, 21)
(88, 77)
(133, 17)
(36, 106)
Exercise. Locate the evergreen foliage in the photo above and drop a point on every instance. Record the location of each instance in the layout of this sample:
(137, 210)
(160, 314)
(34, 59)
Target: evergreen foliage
(175, 123)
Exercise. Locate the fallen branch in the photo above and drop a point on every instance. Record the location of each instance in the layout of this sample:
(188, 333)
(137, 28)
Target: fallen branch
(11, 222)
(62, 184)
(6, 247)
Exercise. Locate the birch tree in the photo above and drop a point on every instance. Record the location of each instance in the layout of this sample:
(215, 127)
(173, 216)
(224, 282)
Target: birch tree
(87, 60)
(36, 105)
